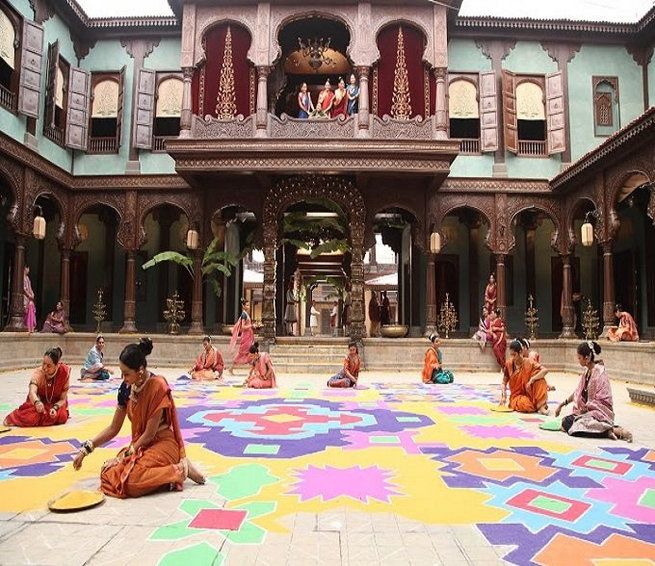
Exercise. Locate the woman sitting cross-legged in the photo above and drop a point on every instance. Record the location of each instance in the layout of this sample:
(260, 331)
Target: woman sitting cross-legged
(155, 459)
(94, 367)
(528, 390)
(348, 376)
(209, 364)
(433, 371)
(47, 400)
(593, 410)
(262, 374)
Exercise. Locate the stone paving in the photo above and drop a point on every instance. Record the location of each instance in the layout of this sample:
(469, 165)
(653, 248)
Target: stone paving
(391, 473)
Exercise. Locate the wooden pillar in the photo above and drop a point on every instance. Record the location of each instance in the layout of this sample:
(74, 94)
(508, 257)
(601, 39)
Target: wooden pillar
(196, 300)
(501, 285)
(261, 118)
(568, 315)
(608, 287)
(474, 271)
(363, 111)
(17, 308)
(441, 105)
(186, 114)
(64, 284)
(431, 295)
(268, 304)
(357, 322)
(129, 312)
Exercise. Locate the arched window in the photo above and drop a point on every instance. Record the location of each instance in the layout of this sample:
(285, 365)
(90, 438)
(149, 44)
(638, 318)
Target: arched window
(106, 112)
(531, 118)
(464, 113)
(606, 105)
(8, 61)
(168, 109)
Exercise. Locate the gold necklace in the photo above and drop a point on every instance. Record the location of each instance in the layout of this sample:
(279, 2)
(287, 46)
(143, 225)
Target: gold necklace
(50, 381)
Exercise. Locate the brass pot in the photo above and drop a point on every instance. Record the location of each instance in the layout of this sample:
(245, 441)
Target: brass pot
(227, 329)
(394, 330)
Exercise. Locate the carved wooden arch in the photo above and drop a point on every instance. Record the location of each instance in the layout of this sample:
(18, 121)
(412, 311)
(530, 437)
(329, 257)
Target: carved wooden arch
(549, 207)
(231, 19)
(12, 173)
(185, 202)
(419, 236)
(291, 190)
(258, 238)
(389, 20)
(569, 213)
(83, 204)
(482, 204)
(617, 180)
(46, 189)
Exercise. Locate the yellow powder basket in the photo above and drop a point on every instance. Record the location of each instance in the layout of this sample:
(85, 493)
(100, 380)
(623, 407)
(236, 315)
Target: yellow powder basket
(76, 500)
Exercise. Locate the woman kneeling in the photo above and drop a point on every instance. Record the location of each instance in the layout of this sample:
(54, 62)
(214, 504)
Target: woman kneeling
(262, 374)
(528, 390)
(433, 371)
(209, 364)
(155, 459)
(593, 411)
(348, 376)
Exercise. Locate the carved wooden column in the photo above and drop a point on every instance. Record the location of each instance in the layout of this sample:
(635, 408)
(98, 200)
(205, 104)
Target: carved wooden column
(431, 295)
(363, 111)
(17, 308)
(186, 114)
(608, 287)
(357, 321)
(568, 318)
(129, 311)
(501, 285)
(261, 118)
(196, 298)
(64, 284)
(441, 105)
(268, 305)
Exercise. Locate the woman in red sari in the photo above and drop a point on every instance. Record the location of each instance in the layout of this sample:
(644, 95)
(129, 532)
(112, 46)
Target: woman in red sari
(262, 374)
(340, 104)
(155, 458)
(491, 294)
(498, 337)
(209, 364)
(349, 374)
(528, 390)
(626, 331)
(243, 330)
(47, 400)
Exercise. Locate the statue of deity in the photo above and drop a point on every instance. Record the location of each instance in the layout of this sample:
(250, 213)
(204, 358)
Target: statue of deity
(352, 92)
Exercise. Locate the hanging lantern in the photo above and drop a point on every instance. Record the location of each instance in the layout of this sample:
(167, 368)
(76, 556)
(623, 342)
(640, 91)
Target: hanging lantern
(192, 239)
(587, 230)
(435, 242)
(83, 232)
(38, 227)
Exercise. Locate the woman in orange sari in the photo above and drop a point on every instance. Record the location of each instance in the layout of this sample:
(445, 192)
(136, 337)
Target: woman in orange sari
(528, 390)
(491, 294)
(349, 374)
(262, 374)
(209, 364)
(47, 400)
(626, 331)
(155, 459)
(433, 371)
(498, 337)
(242, 330)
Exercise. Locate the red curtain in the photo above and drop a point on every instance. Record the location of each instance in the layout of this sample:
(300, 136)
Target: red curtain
(388, 46)
(207, 76)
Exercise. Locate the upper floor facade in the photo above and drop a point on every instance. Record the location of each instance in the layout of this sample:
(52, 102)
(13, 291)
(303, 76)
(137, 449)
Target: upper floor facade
(523, 98)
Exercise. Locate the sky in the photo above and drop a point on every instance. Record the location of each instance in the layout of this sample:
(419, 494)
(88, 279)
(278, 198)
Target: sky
(602, 10)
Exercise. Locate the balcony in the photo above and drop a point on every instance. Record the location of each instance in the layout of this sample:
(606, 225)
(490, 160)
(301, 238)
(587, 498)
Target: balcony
(532, 148)
(103, 145)
(469, 146)
(7, 99)
(54, 133)
(159, 142)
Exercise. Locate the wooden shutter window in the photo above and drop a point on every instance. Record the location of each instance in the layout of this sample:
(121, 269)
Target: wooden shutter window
(509, 111)
(77, 113)
(144, 114)
(119, 111)
(29, 85)
(488, 112)
(555, 117)
(51, 84)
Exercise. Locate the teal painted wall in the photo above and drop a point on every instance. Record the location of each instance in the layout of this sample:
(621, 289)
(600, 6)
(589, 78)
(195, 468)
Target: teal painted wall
(22, 7)
(156, 162)
(651, 82)
(532, 167)
(597, 60)
(464, 55)
(472, 165)
(529, 57)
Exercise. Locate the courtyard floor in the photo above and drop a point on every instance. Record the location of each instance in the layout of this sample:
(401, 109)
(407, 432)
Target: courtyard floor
(391, 473)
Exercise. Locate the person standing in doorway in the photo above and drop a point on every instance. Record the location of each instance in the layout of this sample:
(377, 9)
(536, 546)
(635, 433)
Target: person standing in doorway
(313, 319)
(334, 319)
(291, 312)
(28, 301)
(374, 315)
(385, 310)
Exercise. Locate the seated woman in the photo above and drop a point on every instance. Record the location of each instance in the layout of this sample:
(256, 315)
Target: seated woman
(262, 374)
(209, 364)
(626, 331)
(483, 335)
(155, 459)
(93, 367)
(55, 322)
(531, 355)
(528, 391)
(433, 371)
(349, 374)
(593, 411)
(47, 400)
(498, 337)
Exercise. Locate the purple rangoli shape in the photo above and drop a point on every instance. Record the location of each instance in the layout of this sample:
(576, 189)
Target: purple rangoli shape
(481, 431)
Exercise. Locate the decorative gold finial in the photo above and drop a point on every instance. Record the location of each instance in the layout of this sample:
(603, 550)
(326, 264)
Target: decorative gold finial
(174, 314)
(590, 321)
(532, 318)
(99, 311)
(402, 103)
(226, 106)
(447, 317)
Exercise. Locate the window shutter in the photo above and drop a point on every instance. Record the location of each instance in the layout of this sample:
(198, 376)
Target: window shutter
(145, 104)
(53, 63)
(119, 110)
(30, 73)
(555, 118)
(77, 113)
(488, 112)
(509, 111)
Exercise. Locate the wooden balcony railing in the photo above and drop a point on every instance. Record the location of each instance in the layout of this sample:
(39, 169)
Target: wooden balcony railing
(532, 148)
(7, 98)
(103, 145)
(158, 142)
(469, 146)
(54, 133)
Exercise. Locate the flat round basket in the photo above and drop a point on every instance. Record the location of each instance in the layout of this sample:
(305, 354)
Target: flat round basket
(76, 500)
(551, 425)
(502, 409)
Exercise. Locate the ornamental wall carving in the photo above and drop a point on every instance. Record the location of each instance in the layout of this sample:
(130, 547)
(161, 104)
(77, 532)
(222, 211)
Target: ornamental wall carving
(214, 128)
(393, 129)
(12, 173)
(287, 127)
